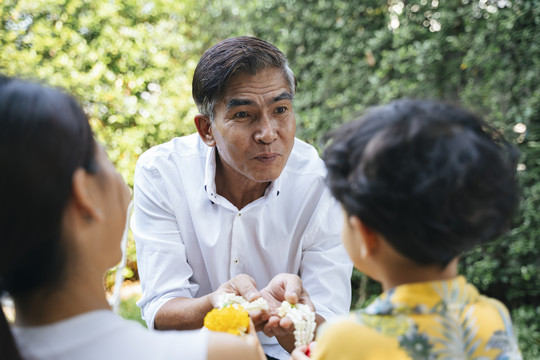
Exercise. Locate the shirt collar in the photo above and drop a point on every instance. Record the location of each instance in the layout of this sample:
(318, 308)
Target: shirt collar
(271, 193)
(210, 174)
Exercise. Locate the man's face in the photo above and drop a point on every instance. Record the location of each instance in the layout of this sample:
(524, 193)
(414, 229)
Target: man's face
(254, 126)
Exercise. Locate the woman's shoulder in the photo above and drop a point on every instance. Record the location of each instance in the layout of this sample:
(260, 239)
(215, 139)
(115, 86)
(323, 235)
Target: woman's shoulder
(104, 335)
(141, 343)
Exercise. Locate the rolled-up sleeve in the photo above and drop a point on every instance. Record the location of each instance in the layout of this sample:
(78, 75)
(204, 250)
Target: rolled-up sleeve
(161, 254)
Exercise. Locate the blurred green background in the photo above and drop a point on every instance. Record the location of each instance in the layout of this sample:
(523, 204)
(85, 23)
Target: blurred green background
(130, 64)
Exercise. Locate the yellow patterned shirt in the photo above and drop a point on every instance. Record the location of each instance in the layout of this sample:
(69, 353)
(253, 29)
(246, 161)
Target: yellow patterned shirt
(431, 320)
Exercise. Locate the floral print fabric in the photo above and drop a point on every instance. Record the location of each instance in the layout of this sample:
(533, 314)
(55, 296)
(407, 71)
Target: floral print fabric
(431, 320)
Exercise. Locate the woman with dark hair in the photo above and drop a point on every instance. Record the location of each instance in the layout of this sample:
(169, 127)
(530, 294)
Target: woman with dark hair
(420, 182)
(62, 214)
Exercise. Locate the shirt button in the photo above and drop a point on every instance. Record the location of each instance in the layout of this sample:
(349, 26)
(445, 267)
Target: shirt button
(239, 214)
(236, 261)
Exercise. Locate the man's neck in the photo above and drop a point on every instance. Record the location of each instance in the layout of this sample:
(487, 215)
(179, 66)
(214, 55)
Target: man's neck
(239, 195)
(239, 190)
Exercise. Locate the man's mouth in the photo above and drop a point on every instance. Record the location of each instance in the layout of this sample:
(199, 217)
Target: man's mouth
(267, 157)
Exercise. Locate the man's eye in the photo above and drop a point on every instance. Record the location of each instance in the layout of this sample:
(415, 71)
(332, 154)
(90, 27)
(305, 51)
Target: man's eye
(241, 114)
(281, 109)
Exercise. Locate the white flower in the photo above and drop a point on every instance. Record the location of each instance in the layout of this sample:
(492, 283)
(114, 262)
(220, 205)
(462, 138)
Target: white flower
(226, 299)
(303, 319)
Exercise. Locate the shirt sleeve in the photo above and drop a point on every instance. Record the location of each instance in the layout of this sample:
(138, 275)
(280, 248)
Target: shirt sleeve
(161, 254)
(326, 268)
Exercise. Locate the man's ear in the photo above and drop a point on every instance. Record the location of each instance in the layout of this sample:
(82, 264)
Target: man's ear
(82, 193)
(369, 239)
(204, 128)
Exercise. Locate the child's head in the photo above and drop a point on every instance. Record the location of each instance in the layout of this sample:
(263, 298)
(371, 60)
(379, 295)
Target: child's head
(433, 179)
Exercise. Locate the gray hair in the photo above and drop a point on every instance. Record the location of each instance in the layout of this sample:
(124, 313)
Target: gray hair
(231, 56)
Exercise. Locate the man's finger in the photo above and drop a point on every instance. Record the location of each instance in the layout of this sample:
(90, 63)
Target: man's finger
(305, 299)
(286, 324)
(268, 328)
(293, 287)
(245, 286)
(259, 319)
(274, 327)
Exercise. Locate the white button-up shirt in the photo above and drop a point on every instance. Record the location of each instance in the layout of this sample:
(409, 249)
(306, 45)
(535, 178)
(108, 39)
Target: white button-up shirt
(190, 240)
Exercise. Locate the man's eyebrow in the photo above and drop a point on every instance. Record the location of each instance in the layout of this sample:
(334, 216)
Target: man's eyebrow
(238, 102)
(283, 96)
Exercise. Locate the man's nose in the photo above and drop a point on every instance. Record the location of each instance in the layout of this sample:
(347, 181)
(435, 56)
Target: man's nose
(267, 131)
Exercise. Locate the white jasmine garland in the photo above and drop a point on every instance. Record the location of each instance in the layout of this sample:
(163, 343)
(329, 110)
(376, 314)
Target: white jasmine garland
(303, 319)
(226, 299)
(300, 314)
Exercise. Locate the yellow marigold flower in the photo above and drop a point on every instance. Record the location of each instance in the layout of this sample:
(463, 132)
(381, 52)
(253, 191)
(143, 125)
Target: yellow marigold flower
(231, 319)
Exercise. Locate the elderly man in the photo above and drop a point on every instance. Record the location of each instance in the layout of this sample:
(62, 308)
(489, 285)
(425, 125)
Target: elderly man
(240, 206)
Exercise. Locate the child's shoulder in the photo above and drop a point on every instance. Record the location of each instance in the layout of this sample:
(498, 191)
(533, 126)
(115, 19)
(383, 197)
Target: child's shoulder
(346, 337)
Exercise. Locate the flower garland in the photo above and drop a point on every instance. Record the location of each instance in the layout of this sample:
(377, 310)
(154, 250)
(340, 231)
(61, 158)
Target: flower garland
(227, 299)
(232, 319)
(303, 319)
(232, 316)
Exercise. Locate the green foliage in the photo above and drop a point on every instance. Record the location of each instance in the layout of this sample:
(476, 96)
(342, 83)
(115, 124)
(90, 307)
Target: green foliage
(502, 68)
(526, 322)
(130, 271)
(365, 290)
(128, 309)
(334, 50)
(130, 63)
